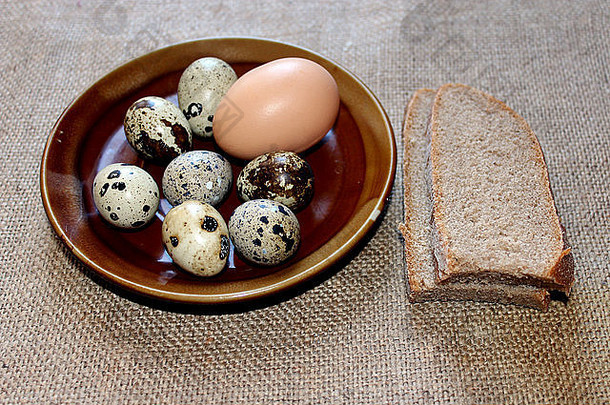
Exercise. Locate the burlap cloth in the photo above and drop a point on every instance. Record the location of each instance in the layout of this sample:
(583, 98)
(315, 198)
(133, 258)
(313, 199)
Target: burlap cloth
(351, 337)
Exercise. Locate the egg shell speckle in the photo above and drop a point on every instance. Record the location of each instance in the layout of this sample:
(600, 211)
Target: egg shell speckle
(284, 177)
(200, 89)
(200, 175)
(264, 232)
(125, 195)
(157, 129)
(196, 237)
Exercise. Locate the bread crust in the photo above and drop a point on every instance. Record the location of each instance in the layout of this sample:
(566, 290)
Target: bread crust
(559, 276)
(404, 228)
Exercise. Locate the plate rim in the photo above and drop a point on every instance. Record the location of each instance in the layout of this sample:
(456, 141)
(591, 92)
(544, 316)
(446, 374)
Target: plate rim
(232, 297)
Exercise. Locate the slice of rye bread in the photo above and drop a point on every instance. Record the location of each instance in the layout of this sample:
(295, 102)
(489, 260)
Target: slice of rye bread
(417, 228)
(493, 210)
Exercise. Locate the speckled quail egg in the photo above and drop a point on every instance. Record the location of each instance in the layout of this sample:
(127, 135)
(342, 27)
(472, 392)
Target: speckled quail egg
(264, 232)
(196, 237)
(201, 87)
(284, 177)
(200, 175)
(157, 129)
(125, 195)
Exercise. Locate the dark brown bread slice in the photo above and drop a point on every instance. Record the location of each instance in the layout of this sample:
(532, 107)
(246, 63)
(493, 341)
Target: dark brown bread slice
(493, 209)
(421, 268)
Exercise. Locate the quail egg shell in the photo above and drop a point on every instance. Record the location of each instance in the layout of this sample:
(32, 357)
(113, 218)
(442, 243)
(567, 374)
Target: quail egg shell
(197, 175)
(196, 237)
(200, 89)
(264, 232)
(125, 195)
(284, 177)
(157, 129)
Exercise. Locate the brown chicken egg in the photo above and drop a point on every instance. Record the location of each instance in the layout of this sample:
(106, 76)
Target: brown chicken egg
(287, 104)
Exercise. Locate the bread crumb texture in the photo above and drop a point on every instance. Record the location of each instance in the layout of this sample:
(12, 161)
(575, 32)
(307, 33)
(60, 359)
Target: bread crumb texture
(493, 206)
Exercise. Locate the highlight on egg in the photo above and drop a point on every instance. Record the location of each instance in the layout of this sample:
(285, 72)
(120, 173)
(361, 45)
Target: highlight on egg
(287, 104)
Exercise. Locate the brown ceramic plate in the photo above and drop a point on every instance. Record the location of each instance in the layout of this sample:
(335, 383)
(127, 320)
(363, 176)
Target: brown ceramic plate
(354, 168)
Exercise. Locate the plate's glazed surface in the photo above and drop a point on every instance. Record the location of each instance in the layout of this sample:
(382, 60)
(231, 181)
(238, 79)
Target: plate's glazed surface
(354, 168)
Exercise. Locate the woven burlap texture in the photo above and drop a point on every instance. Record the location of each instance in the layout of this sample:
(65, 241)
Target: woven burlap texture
(67, 337)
